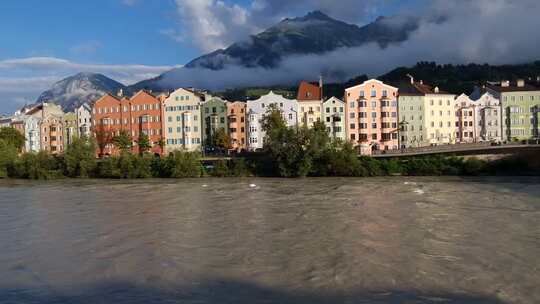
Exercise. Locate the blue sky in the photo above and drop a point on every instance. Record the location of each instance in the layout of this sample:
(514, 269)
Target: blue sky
(98, 31)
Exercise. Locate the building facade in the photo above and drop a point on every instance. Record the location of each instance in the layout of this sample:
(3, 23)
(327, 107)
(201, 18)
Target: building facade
(70, 128)
(427, 116)
(84, 120)
(372, 116)
(29, 126)
(214, 118)
(490, 116)
(520, 103)
(309, 103)
(256, 109)
(51, 127)
(478, 120)
(236, 118)
(140, 114)
(333, 116)
(183, 121)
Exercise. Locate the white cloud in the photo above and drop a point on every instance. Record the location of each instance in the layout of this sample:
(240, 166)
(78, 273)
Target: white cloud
(23, 79)
(86, 48)
(215, 24)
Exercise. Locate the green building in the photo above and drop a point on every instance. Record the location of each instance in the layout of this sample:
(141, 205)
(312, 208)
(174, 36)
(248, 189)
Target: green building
(214, 118)
(70, 128)
(520, 102)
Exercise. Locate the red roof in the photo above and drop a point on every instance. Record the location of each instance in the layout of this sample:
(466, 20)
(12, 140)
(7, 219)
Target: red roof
(308, 91)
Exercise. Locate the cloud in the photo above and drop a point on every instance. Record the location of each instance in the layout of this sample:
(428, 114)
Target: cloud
(215, 24)
(23, 79)
(86, 48)
(467, 31)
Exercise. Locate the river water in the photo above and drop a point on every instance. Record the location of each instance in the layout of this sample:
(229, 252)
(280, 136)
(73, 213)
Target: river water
(379, 240)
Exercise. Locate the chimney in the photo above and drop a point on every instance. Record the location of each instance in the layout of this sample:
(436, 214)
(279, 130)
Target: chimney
(120, 93)
(537, 78)
(436, 90)
(412, 78)
(321, 86)
(505, 83)
(520, 83)
(421, 82)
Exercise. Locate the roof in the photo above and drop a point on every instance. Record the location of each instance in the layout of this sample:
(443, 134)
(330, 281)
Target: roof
(512, 87)
(418, 89)
(308, 91)
(368, 81)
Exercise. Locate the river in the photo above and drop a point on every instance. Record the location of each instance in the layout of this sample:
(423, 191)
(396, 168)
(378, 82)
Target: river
(328, 240)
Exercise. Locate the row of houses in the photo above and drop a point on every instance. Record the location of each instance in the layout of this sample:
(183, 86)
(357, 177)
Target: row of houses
(46, 127)
(372, 115)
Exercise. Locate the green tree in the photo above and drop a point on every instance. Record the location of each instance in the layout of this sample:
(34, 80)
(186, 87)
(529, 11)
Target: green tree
(103, 137)
(181, 164)
(123, 141)
(221, 139)
(37, 166)
(144, 143)
(12, 137)
(8, 156)
(79, 158)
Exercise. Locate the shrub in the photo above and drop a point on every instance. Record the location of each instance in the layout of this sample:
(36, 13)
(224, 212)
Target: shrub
(40, 166)
(79, 158)
(184, 164)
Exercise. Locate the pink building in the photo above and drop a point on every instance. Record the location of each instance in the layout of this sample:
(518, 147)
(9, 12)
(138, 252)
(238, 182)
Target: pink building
(372, 116)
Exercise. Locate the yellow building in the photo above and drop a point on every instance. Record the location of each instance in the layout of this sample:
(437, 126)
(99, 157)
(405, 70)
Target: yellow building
(309, 103)
(182, 120)
(426, 116)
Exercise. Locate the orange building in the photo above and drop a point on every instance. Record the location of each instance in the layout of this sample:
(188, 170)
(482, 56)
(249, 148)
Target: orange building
(236, 116)
(140, 114)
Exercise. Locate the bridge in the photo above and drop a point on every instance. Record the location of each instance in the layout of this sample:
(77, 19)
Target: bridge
(460, 149)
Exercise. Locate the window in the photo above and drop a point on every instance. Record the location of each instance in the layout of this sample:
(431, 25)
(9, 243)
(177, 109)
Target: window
(352, 126)
(374, 136)
(352, 115)
(373, 104)
(373, 93)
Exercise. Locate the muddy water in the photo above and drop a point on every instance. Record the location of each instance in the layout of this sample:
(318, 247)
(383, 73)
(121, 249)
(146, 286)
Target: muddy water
(396, 240)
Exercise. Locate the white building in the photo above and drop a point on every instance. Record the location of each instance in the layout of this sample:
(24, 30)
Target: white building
(84, 120)
(182, 120)
(490, 117)
(30, 127)
(256, 109)
(333, 114)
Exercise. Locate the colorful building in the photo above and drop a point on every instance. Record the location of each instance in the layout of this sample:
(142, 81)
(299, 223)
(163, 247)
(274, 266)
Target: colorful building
(478, 120)
(333, 115)
(236, 118)
(214, 118)
(427, 115)
(520, 102)
(29, 126)
(183, 121)
(140, 114)
(310, 97)
(70, 128)
(51, 125)
(371, 116)
(256, 109)
(84, 120)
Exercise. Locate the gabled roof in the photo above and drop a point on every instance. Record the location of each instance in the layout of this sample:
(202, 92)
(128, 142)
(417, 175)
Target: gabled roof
(419, 89)
(369, 81)
(308, 91)
(527, 87)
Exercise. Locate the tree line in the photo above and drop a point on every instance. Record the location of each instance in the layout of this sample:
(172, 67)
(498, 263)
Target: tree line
(288, 152)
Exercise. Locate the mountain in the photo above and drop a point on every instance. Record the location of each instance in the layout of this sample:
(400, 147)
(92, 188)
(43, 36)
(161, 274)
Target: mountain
(72, 92)
(315, 33)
